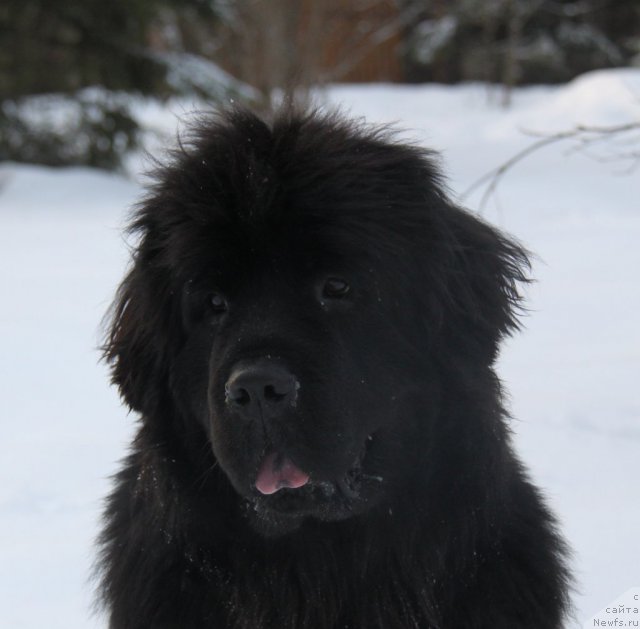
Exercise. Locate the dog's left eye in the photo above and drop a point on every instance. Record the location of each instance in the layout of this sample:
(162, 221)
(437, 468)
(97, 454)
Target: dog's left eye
(218, 303)
(335, 288)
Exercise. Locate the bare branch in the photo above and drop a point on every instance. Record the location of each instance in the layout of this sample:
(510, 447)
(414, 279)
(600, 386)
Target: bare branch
(585, 135)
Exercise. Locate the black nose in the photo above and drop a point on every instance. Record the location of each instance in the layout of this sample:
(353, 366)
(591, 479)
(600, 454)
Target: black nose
(261, 389)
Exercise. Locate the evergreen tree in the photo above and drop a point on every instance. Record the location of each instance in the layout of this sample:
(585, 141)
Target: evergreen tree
(68, 70)
(519, 41)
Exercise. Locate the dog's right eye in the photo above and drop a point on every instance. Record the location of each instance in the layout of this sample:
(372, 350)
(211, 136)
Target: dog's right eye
(202, 304)
(335, 288)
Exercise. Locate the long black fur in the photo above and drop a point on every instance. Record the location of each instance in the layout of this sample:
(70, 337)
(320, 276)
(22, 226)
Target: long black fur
(456, 536)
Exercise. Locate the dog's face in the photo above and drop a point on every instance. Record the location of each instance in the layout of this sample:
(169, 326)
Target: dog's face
(300, 298)
(298, 376)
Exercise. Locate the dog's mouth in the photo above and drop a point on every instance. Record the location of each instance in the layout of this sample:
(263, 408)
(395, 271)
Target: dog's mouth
(277, 472)
(284, 486)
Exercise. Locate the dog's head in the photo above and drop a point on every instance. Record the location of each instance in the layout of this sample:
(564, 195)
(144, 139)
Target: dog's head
(301, 298)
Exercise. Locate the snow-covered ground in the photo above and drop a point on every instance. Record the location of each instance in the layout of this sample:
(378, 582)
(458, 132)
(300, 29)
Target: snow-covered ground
(573, 374)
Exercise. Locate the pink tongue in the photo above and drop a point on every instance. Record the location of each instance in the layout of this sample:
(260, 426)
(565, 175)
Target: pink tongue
(276, 472)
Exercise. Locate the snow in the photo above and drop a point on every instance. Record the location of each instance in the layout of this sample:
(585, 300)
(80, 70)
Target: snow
(572, 374)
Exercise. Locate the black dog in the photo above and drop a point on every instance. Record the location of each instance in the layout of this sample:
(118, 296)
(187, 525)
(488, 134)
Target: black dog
(308, 332)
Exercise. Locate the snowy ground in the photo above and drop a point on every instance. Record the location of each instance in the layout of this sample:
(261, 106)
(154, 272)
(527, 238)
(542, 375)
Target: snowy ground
(573, 374)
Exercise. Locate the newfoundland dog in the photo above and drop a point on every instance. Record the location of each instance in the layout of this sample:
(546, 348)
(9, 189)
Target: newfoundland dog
(308, 332)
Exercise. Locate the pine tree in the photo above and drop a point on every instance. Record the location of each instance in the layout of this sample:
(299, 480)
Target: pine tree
(69, 69)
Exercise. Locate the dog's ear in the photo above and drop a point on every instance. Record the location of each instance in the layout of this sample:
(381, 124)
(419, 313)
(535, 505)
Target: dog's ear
(485, 271)
(136, 339)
